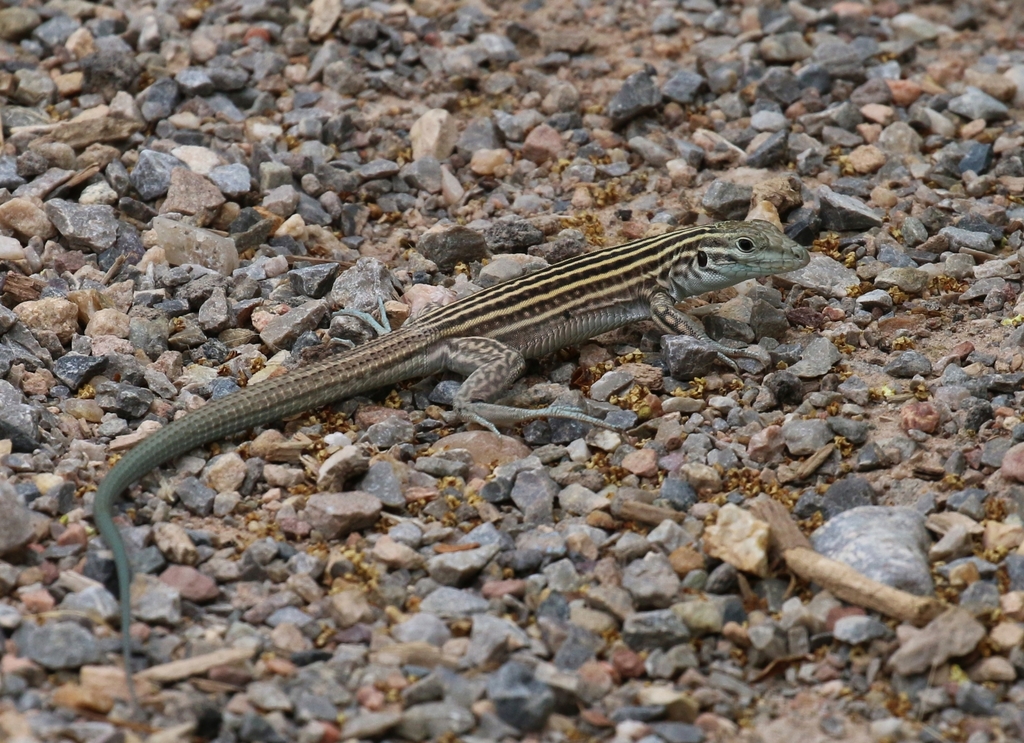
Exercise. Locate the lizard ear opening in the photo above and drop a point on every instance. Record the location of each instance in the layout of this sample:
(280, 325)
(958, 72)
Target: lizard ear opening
(702, 259)
(745, 244)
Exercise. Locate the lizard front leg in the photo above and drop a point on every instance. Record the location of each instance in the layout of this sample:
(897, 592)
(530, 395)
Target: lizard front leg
(490, 368)
(671, 321)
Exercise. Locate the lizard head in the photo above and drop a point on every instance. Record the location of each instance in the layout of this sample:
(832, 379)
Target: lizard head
(731, 252)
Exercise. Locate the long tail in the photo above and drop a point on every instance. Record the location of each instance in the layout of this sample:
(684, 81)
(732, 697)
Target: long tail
(386, 360)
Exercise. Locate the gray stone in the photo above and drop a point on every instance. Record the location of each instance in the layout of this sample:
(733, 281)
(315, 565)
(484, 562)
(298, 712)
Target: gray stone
(889, 545)
(770, 152)
(124, 399)
(86, 227)
(651, 581)
(57, 646)
(158, 101)
(336, 515)
(378, 168)
(151, 175)
(35, 87)
(638, 95)
(448, 245)
(17, 22)
(390, 432)
(194, 81)
(479, 134)
(727, 200)
(653, 154)
(453, 603)
(512, 236)
(977, 104)
(519, 698)
(975, 699)
(458, 568)
(804, 437)
(817, 359)
(769, 639)
(846, 213)
(195, 496)
(688, 357)
(960, 238)
(16, 525)
(909, 364)
(368, 725)
(9, 177)
(980, 598)
(683, 86)
(74, 368)
(92, 601)
(854, 630)
(785, 48)
(433, 720)
(534, 494)
(233, 180)
(422, 627)
(362, 287)
(424, 174)
(825, 276)
(580, 646)
(677, 732)
(284, 330)
(647, 630)
(854, 431)
(490, 639)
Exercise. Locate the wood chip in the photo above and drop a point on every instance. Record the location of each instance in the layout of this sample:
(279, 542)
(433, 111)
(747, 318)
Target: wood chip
(644, 513)
(811, 465)
(20, 288)
(84, 132)
(442, 549)
(182, 669)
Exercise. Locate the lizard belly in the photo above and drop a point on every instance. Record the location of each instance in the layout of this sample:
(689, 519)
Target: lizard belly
(573, 329)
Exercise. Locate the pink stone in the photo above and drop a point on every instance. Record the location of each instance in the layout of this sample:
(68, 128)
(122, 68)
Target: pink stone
(642, 462)
(1013, 463)
(191, 584)
(543, 143)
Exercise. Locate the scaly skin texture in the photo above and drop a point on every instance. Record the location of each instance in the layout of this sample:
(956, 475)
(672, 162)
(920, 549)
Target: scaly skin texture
(486, 336)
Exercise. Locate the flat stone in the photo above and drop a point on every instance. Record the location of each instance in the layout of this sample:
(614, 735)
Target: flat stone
(448, 245)
(151, 175)
(846, 213)
(825, 276)
(58, 645)
(887, 544)
(638, 95)
(192, 194)
(336, 515)
(184, 243)
(91, 228)
(975, 103)
(738, 539)
(952, 634)
(25, 219)
(683, 86)
(817, 359)
(433, 135)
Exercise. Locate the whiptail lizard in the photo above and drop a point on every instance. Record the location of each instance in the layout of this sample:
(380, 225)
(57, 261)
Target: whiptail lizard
(486, 337)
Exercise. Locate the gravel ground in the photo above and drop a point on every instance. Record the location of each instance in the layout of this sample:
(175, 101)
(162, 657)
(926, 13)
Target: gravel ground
(190, 192)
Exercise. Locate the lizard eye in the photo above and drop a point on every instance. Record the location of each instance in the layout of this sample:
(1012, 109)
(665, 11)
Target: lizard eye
(745, 244)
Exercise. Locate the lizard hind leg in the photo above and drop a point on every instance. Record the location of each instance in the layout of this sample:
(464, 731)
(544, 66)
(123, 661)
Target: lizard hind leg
(490, 367)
